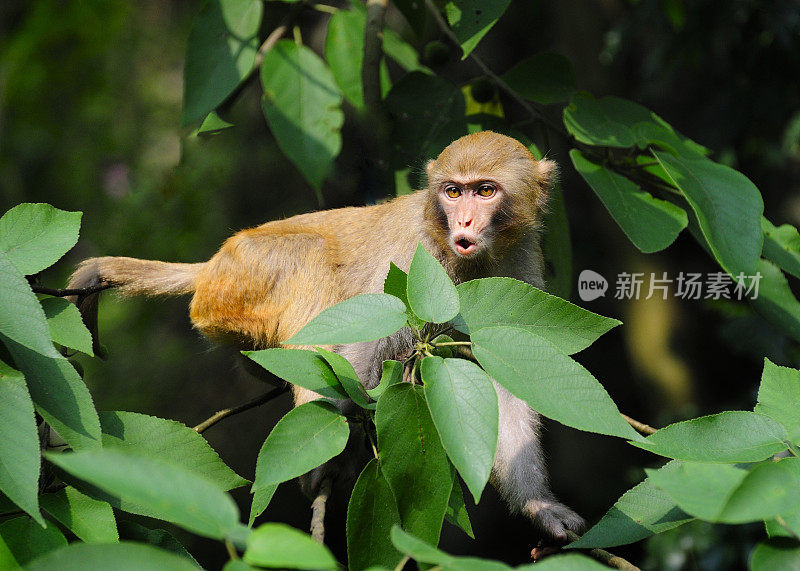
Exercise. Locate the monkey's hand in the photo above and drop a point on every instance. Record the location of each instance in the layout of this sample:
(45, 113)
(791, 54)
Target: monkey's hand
(553, 519)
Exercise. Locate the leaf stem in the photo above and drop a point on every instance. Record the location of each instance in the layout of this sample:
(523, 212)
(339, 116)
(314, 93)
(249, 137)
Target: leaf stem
(445, 343)
(226, 412)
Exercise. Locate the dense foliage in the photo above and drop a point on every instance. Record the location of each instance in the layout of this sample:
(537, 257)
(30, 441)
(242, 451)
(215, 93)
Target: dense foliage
(733, 467)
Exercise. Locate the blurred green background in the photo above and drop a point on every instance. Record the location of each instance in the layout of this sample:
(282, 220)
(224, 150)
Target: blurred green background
(90, 104)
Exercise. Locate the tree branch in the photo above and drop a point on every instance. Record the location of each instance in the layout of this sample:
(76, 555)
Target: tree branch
(318, 511)
(226, 412)
(605, 557)
(640, 426)
(373, 48)
(83, 291)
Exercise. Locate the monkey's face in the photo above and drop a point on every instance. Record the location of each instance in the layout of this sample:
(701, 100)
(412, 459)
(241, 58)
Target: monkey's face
(470, 207)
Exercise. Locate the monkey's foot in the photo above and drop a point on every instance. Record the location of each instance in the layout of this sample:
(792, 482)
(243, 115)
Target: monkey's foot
(541, 551)
(553, 520)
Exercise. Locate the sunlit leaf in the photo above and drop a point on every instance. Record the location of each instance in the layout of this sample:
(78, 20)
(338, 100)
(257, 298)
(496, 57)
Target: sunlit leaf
(35, 236)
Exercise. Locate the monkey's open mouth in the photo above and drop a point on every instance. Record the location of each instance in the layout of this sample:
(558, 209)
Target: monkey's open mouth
(465, 247)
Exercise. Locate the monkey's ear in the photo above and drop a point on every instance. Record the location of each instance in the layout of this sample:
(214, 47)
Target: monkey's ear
(546, 173)
(429, 166)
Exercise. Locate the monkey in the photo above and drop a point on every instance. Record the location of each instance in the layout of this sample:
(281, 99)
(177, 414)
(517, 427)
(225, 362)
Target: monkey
(480, 215)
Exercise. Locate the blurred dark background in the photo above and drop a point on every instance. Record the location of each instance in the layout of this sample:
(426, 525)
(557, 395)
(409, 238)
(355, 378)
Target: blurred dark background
(90, 106)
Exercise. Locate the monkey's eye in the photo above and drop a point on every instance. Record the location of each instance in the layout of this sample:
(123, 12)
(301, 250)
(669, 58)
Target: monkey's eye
(452, 191)
(486, 190)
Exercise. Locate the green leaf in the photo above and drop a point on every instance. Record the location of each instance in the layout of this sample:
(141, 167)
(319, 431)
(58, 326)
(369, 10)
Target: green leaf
(779, 397)
(308, 436)
(782, 246)
(156, 537)
(167, 440)
(731, 436)
(302, 104)
(545, 78)
(403, 53)
(642, 511)
(278, 545)
(220, 54)
(35, 236)
(776, 553)
(615, 122)
(489, 302)
(212, 125)
(90, 520)
(300, 367)
(536, 371)
(650, 223)
(19, 443)
(261, 499)
(775, 301)
(364, 317)
(457, 513)
(557, 245)
(396, 284)
(428, 115)
(123, 555)
(725, 494)
(58, 393)
(431, 292)
(472, 19)
(728, 208)
(66, 325)
(347, 376)
(463, 404)
(413, 460)
(792, 522)
(26, 539)
(391, 374)
(168, 491)
(344, 52)
(414, 13)
(371, 513)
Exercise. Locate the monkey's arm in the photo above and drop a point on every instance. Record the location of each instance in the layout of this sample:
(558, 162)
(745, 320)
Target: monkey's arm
(519, 472)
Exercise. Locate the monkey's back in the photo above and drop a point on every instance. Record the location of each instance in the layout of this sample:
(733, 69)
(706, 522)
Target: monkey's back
(267, 282)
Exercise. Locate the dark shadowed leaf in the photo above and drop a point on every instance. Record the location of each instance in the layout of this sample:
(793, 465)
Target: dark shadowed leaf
(26, 540)
(220, 54)
(156, 537)
(728, 208)
(545, 78)
(472, 19)
(650, 223)
(782, 246)
(302, 104)
(371, 513)
(456, 512)
(642, 511)
(776, 302)
(413, 460)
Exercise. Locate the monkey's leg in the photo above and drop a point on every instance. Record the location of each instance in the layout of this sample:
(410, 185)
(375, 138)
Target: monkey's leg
(519, 472)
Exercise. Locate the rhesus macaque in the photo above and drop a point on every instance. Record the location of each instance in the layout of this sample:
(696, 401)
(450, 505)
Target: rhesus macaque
(480, 216)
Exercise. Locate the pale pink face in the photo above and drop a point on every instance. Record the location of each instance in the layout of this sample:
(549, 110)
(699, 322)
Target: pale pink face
(470, 206)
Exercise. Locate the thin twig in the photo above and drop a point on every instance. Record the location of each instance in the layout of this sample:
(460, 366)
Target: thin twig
(605, 557)
(373, 49)
(226, 412)
(277, 34)
(231, 550)
(782, 523)
(318, 511)
(402, 563)
(640, 426)
(70, 291)
(531, 108)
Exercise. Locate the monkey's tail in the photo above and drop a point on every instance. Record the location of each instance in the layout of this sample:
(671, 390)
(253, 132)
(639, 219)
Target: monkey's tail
(129, 276)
